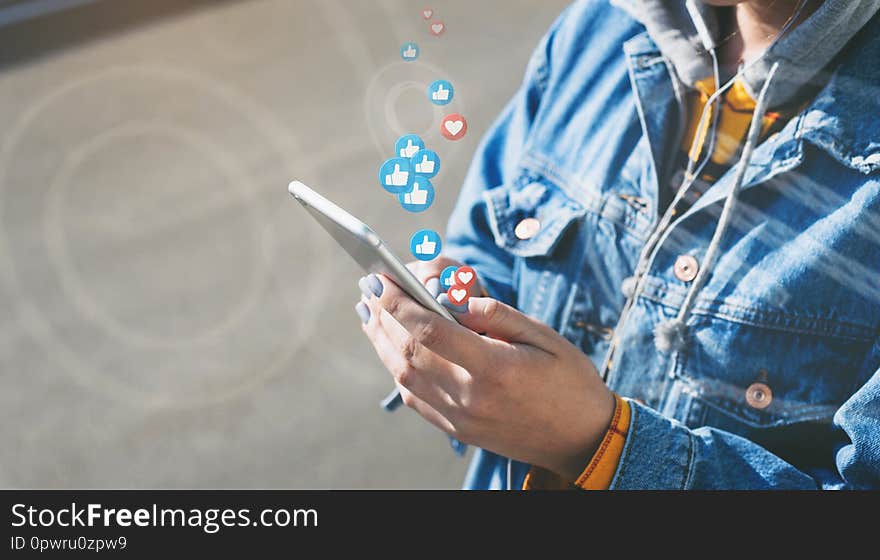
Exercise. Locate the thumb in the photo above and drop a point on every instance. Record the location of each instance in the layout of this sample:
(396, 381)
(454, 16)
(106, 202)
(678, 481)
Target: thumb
(501, 321)
(425, 239)
(397, 168)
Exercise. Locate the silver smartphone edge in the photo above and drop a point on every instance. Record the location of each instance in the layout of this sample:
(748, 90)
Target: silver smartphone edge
(398, 271)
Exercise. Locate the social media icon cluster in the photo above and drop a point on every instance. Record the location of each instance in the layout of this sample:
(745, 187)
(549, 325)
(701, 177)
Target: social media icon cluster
(408, 174)
(457, 281)
(435, 26)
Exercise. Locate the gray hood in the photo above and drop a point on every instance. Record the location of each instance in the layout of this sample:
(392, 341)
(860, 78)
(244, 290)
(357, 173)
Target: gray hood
(802, 53)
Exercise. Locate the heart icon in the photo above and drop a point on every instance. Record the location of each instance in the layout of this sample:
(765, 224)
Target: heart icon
(427, 13)
(458, 294)
(453, 127)
(437, 28)
(465, 276)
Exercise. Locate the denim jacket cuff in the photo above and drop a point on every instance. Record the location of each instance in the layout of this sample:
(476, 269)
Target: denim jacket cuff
(658, 454)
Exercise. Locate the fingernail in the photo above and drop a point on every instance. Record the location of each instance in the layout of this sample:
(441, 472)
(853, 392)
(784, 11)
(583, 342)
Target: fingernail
(365, 288)
(363, 311)
(445, 302)
(393, 401)
(457, 446)
(433, 286)
(374, 285)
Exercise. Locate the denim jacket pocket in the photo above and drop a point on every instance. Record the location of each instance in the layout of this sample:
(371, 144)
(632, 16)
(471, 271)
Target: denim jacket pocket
(748, 377)
(529, 221)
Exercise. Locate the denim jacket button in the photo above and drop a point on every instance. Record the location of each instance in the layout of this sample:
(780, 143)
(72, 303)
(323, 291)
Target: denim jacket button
(686, 268)
(527, 228)
(759, 396)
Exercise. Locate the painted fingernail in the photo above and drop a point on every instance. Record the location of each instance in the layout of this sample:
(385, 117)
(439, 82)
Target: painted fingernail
(393, 401)
(433, 286)
(445, 302)
(374, 285)
(457, 446)
(365, 288)
(363, 311)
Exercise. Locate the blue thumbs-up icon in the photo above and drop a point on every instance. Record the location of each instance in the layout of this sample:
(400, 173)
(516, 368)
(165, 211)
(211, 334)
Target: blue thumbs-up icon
(425, 163)
(425, 244)
(395, 175)
(419, 197)
(446, 278)
(409, 52)
(408, 145)
(440, 92)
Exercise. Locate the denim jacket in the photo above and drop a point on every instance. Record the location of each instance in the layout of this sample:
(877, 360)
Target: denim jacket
(778, 382)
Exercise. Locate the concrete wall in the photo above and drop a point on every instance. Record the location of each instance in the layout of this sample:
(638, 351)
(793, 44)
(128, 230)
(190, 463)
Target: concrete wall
(169, 317)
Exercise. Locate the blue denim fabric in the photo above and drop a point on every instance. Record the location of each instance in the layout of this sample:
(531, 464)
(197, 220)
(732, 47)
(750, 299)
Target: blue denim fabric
(793, 302)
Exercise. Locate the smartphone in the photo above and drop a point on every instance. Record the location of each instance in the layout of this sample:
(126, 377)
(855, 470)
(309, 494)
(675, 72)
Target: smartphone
(369, 251)
(364, 246)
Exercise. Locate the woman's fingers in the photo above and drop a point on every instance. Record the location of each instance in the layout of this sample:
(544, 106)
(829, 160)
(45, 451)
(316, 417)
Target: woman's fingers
(415, 369)
(446, 338)
(501, 321)
(426, 411)
(450, 378)
(414, 392)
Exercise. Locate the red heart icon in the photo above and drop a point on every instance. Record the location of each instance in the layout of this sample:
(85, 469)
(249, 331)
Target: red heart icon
(427, 13)
(458, 294)
(453, 127)
(437, 28)
(465, 276)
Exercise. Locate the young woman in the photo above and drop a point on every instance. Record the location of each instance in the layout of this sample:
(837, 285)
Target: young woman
(677, 222)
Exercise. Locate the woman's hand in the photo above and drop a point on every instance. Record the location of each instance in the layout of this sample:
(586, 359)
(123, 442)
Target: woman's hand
(520, 390)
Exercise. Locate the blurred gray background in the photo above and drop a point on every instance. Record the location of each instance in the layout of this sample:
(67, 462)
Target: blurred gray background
(169, 317)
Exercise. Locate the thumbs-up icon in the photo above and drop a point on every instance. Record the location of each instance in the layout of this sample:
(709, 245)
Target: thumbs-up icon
(440, 92)
(409, 150)
(395, 175)
(447, 277)
(416, 196)
(397, 178)
(407, 145)
(419, 197)
(409, 52)
(425, 163)
(425, 166)
(425, 245)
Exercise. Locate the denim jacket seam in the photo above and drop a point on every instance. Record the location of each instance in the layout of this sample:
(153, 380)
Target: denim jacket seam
(744, 318)
(711, 307)
(844, 152)
(696, 387)
(626, 462)
(533, 162)
(687, 478)
(808, 413)
(623, 463)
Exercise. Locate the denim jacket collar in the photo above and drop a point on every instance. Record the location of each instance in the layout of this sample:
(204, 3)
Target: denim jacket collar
(842, 120)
